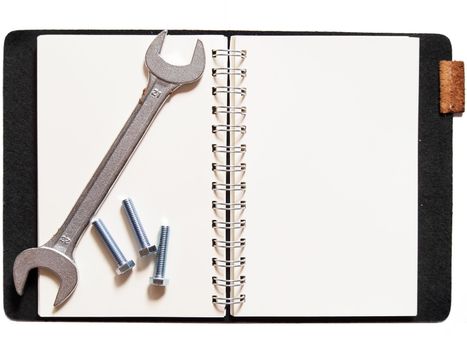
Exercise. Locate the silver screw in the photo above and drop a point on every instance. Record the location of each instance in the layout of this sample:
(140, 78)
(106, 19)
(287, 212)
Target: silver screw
(145, 247)
(158, 278)
(123, 265)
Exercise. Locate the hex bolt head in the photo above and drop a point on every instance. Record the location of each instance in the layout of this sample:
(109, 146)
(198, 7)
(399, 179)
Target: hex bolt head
(151, 250)
(125, 267)
(161, 282)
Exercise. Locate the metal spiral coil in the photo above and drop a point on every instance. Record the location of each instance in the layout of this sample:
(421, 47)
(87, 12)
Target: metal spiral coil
(228, 157)
(217, 186)
(229, 301)
(228, 90)
(228, 282)
(228, 168)
(228, 128)
(229, 244)
(231, 53)
(229, 225)
(229, 263)
(229, 71)
(229, 110)
(229, 149)
(228, 206)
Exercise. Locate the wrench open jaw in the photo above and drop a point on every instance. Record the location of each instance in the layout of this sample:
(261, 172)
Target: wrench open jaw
(57, 254)
(170, 73)
(52, 260)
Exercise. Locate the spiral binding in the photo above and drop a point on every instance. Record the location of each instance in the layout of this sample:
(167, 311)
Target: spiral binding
(228, 128)
(231, 53)
(228, 71)
(228, 301)
(228, 244)
(216, 186)
(229, 149)
(229, 110)
(229, 283)
(228, 225)
(229, 168)
(229, 263)
(228, 90)
(229, 206)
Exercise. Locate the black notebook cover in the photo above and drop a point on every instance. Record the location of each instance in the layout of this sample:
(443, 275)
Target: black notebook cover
(20, 180)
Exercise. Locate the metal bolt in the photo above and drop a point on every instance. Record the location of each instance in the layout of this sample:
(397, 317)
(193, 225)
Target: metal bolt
(146, 247)
(123, 265)
(158, 278)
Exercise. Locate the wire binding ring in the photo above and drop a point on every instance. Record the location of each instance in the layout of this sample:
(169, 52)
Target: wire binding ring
(229, 149)
(229, 244)
(229, 110)
(228, 263)
(229, 71)
(216, 186)
(228, 90)
(228, 128)
(228, 283)
(231, 53)
(228, 301)
(228, 168)
(229, 206)
(228, 225)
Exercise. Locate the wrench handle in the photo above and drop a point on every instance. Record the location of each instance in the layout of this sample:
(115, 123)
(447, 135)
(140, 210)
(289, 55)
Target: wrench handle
(111, 166)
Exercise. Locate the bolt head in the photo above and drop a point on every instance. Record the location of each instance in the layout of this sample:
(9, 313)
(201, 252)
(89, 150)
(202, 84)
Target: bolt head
(151, 250)
(127, 266)
(157, 281)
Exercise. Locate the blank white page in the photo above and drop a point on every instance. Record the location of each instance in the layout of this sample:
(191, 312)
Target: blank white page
(331, 199)
(87, 87)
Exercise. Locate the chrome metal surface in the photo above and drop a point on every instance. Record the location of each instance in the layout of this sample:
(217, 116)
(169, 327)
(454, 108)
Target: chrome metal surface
(158, 278)
(123, 264)
(146, 248)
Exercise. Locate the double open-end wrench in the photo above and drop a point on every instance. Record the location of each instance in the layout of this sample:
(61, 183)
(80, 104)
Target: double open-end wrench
(57, 254)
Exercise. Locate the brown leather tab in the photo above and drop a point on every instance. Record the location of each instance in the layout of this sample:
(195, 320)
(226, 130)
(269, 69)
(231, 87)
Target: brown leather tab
(452, 88)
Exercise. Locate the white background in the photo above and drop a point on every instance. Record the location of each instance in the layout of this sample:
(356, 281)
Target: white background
(446, 17)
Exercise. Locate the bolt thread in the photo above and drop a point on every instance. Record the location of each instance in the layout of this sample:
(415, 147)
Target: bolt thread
(162, 252)
(136, 223)
(109, 242)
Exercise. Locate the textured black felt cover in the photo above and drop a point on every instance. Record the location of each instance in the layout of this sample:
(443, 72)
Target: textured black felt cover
(20, 180)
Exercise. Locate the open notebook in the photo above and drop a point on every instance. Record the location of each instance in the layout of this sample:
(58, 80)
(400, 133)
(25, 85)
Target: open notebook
(306, 205)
